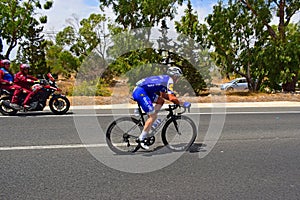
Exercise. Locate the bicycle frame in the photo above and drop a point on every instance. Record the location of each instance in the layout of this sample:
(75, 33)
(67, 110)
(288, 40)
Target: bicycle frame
(170, 109)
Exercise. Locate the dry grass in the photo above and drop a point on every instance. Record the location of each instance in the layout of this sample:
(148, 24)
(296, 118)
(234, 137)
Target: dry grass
(120, 94)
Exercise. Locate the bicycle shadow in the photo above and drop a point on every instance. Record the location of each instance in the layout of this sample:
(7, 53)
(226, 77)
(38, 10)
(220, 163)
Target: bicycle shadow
(197, 147)
(159, 150)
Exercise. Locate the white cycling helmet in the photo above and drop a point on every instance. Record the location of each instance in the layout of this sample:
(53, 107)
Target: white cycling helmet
(174, 71)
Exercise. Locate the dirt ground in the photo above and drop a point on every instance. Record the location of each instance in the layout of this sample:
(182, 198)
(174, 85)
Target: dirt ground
(121, 94)
(84, 100)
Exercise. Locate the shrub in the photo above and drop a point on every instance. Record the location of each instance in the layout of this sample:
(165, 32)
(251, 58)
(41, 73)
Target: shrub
(90, 88)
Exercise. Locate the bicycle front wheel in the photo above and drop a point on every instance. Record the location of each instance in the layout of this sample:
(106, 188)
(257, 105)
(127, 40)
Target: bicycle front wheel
(122, 133)
(179, 133)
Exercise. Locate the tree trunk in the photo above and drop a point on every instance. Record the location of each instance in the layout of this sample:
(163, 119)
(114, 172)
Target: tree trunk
(281, 26)
(291, 85)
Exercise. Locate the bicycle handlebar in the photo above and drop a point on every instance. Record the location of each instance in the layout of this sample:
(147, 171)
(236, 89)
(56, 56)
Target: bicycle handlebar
(171, 107)
(175, 106)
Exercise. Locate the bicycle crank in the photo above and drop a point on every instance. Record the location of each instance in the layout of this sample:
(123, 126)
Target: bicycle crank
(150, 140)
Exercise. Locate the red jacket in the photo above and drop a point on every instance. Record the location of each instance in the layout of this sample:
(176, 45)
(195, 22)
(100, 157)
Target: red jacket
(25, 81)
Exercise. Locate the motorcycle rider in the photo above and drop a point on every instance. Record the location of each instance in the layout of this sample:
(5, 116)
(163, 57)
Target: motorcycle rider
(7, 79)
(25, 81)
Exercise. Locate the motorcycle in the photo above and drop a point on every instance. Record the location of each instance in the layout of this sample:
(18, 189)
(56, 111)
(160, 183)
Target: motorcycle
(47, 88)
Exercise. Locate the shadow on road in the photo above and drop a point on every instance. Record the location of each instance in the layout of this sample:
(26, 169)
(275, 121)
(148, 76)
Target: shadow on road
(195, 148)
(38, 113)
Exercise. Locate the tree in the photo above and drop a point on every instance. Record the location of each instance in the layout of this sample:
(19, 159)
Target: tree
(191, 48)
(32, 50)
(243, 46)
(130, 54)
(81, 40)
(284, 10)
(133, 14)
(15, 19)
(1, 48)
(286, 55)
(237, 39)
(60, 61)
(135, 52)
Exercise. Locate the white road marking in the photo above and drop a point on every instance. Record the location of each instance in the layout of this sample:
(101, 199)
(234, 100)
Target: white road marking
(41, 147)
(119, 114)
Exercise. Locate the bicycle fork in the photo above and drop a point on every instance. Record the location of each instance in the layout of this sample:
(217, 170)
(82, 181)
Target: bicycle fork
(176, 126)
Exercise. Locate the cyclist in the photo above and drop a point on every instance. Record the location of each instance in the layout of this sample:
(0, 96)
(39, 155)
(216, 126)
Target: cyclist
(7, 79)
(155, 89)
(25, 81)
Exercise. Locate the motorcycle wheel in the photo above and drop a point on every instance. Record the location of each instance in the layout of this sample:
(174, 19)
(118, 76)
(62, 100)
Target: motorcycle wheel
(59, 105)
(4, 109)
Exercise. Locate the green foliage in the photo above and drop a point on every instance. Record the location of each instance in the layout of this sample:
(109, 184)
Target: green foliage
(190, 26)
(83, 40)
(132, 14)
(193, 72)
(32, 50)
(285, 58)
(284, 66)
(139, 64)
(93, 67)
(197, 68)
(242, 45)
(60, 61)
(15, 19)
(136, 58)
(48, 5)
(78, 44)
(91, 88)
(136, 65)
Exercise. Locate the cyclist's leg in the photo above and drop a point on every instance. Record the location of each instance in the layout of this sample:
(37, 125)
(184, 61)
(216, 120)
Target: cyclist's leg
(140, 95)
(159, 103)
(145, 102)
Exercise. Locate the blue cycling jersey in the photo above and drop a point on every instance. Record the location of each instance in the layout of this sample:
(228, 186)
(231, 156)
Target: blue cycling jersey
(146, 91)
(7, 75)
(154, 84)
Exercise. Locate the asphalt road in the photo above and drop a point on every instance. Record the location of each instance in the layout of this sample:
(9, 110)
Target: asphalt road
(256, 156)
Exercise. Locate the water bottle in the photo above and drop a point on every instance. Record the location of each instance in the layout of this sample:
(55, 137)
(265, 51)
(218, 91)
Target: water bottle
(136, 112)
(156, 123)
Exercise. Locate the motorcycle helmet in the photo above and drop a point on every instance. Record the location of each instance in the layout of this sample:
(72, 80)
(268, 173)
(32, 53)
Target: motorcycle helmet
(24, 66)
(4, 62)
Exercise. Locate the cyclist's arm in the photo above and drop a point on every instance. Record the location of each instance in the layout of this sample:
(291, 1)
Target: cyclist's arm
(170, 97)
(174, 99)
(170, 94)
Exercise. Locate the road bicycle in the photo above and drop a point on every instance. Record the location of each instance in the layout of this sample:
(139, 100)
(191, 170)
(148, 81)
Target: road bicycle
(178, 132)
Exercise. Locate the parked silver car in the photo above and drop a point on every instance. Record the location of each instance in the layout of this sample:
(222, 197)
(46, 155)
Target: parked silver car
(236, 84)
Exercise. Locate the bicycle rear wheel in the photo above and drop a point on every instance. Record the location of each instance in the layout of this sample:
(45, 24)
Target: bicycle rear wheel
(179, 133)
(122, 133)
